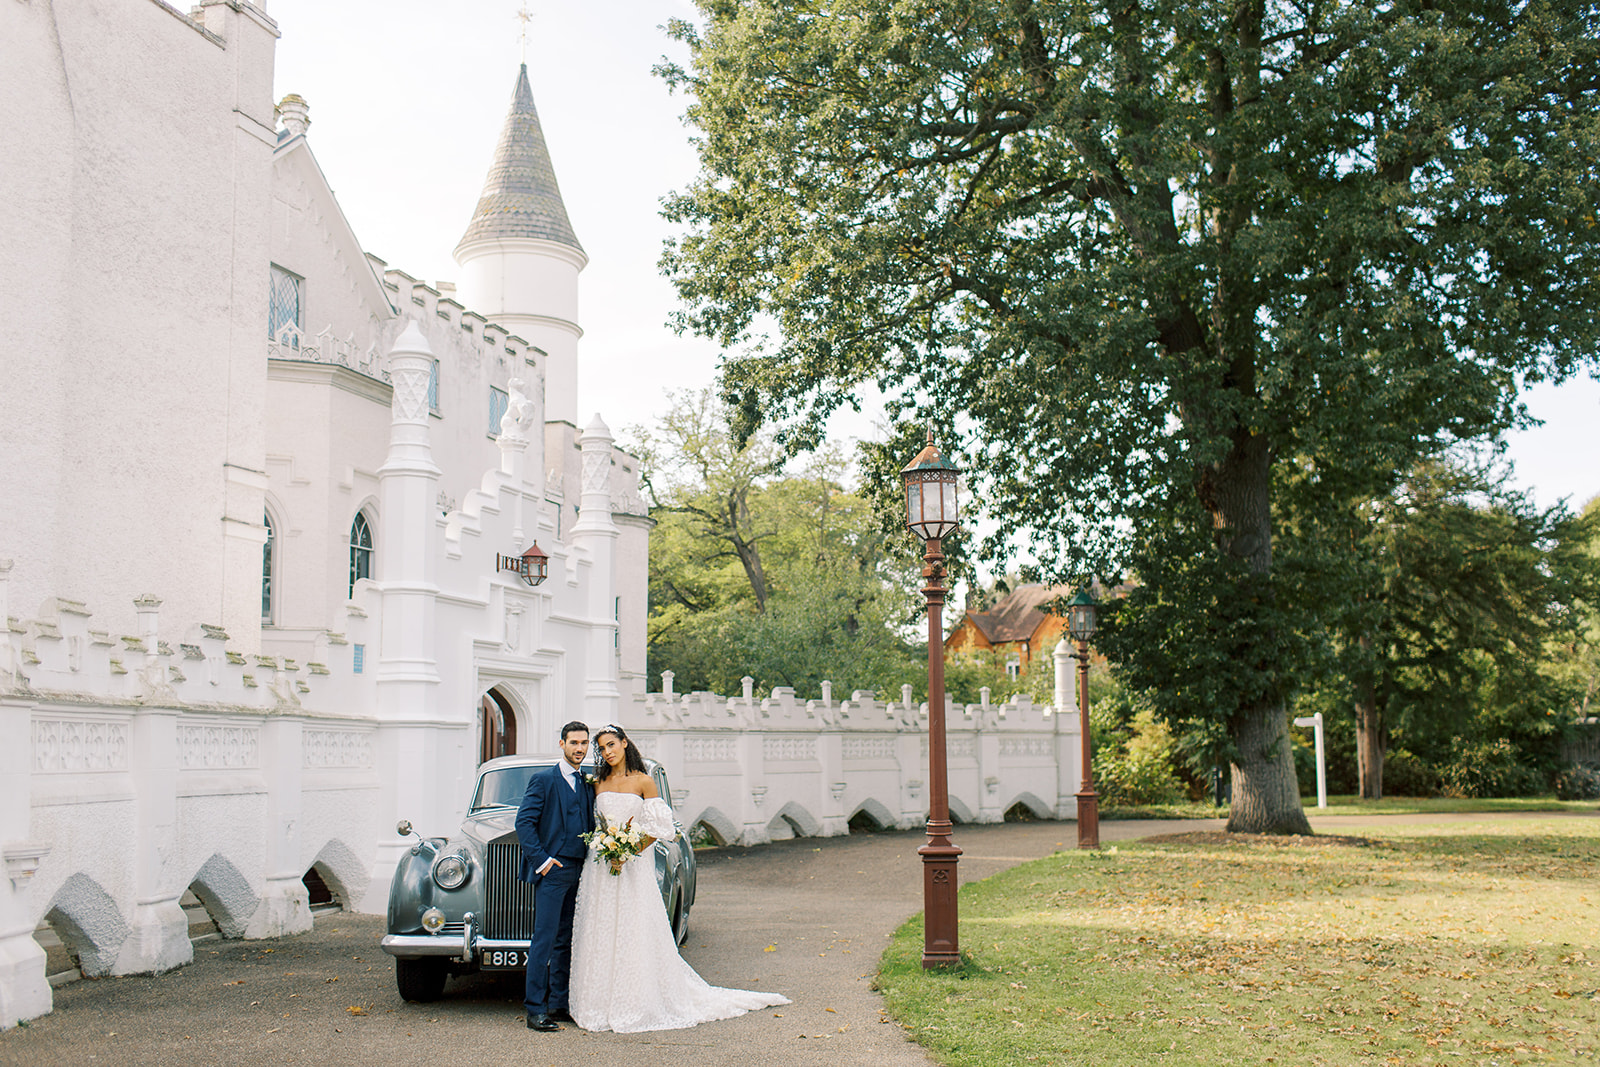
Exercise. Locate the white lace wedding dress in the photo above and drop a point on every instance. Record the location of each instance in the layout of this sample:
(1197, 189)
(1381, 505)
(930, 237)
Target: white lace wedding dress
(627, 976)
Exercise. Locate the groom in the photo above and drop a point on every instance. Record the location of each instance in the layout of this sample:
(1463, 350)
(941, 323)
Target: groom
(557, 807)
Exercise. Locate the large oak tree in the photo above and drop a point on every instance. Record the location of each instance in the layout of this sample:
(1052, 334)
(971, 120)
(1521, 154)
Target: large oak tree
(1166, 267)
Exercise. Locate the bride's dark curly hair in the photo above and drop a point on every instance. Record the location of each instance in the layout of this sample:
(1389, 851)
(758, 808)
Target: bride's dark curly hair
(632, 758)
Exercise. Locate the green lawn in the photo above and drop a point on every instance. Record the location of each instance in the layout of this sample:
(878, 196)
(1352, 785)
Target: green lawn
(1462, 943)
(1352, 805)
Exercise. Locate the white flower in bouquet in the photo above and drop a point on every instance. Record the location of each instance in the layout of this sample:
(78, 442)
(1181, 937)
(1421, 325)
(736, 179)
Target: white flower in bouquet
(614, 845)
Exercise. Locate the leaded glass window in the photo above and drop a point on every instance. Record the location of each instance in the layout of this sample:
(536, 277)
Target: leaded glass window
(498, 401)
(283, 306)
(360, 550)
(266, 572)
(433, 389)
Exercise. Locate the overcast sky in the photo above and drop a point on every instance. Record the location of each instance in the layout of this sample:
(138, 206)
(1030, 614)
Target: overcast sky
(407, 98)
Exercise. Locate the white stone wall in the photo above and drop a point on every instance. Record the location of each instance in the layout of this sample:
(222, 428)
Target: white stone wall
(756, 771)
(141, 188)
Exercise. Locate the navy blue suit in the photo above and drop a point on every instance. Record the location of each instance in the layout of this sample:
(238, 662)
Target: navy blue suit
(549, 821)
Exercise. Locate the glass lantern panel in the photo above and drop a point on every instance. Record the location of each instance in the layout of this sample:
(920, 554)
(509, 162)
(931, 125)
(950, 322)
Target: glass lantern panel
(930, 508)
(1081, 622)
(913, 504)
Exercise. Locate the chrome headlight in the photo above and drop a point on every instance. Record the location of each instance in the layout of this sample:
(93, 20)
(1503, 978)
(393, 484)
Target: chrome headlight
(450, 872)
(433, 920)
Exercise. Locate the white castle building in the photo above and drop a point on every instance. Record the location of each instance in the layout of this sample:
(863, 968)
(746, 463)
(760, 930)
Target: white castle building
(255, 490)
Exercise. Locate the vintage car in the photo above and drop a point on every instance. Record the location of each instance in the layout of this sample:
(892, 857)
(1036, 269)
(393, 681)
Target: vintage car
(456, 904)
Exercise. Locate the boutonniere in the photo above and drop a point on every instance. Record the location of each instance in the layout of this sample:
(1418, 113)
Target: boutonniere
(591, 779)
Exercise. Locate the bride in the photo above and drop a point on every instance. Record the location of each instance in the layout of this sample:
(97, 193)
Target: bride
(627, 976)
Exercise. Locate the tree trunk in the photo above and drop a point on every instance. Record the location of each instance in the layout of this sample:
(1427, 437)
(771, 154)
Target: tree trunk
(1237, 493)
(1370, 739)
(738, 519)
(1266, 791)
(1369, 752)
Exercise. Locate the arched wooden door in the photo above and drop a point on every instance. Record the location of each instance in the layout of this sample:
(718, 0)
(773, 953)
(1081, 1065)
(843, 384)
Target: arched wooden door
(497, 725)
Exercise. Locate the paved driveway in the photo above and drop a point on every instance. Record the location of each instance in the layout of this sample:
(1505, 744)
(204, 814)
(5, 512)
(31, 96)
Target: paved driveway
(825, 906)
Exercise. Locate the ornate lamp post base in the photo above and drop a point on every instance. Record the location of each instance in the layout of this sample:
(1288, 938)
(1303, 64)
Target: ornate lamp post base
(1089, 819)
(940, 941)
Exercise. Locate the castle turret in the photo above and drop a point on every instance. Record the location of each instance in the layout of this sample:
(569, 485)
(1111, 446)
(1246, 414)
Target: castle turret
(520, 259)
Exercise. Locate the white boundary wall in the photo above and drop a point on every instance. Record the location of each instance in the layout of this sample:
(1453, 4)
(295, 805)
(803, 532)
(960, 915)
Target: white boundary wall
(757, 771)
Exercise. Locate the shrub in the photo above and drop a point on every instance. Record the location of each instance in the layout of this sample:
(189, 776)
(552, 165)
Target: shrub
(1140, 772)
(1487, 769)
(1405, 775)
(1581, 781)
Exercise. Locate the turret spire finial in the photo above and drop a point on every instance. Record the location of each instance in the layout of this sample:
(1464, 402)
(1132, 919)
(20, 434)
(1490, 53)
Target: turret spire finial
(524, 16)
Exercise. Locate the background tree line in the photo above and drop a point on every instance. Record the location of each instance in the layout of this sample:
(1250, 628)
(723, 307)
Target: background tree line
(789, 578)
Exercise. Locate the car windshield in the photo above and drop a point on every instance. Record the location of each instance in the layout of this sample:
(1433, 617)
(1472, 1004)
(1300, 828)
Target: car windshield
(502, 787)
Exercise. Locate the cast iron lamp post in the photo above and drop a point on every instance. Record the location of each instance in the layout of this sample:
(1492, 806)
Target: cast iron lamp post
(931, 513)
(1081, 619)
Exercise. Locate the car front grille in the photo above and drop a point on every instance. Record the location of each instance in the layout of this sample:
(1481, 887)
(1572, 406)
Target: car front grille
(508, 901)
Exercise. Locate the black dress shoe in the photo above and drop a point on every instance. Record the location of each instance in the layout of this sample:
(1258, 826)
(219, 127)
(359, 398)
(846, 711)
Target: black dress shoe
(563, 1015)
(542, 1021)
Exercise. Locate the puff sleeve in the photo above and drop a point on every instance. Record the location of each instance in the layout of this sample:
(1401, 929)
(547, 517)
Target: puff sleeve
(656, 820)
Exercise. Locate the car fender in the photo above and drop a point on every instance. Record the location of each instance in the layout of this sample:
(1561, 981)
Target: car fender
(412, 890)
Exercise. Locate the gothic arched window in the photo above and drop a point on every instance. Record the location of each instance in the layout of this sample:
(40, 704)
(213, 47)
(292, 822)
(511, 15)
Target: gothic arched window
(283, 305)
(266, 572)
(360, 550)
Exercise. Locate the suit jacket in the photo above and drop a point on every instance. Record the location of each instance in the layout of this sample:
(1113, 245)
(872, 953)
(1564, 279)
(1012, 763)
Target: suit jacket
(551, 818)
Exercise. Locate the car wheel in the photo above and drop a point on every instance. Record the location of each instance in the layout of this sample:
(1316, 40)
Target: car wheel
(420, 979)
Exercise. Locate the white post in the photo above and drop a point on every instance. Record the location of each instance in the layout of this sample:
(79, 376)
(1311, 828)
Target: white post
(1315, 722)
(1065, 701)
(1067, 745)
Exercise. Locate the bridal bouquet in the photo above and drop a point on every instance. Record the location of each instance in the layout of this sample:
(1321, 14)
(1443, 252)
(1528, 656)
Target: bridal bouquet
(614, 844)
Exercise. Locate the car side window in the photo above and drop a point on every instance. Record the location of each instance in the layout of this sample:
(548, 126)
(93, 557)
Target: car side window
(662, 787)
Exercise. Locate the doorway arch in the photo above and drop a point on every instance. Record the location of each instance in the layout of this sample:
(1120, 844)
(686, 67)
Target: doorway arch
(497, 726)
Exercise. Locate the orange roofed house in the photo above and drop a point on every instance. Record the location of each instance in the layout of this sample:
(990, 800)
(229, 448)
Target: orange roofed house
(1019, 627)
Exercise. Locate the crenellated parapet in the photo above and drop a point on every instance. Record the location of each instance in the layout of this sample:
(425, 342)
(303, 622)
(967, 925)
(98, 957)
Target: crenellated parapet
(59, 655)
(486, 341)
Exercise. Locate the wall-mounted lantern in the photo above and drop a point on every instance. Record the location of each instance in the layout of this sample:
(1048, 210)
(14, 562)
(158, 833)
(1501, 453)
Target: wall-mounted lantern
(533, 566)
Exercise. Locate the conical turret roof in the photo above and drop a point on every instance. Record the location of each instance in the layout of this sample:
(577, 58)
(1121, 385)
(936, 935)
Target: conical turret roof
(520, 196)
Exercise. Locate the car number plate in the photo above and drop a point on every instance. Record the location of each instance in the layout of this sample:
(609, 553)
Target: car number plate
(503, 958)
